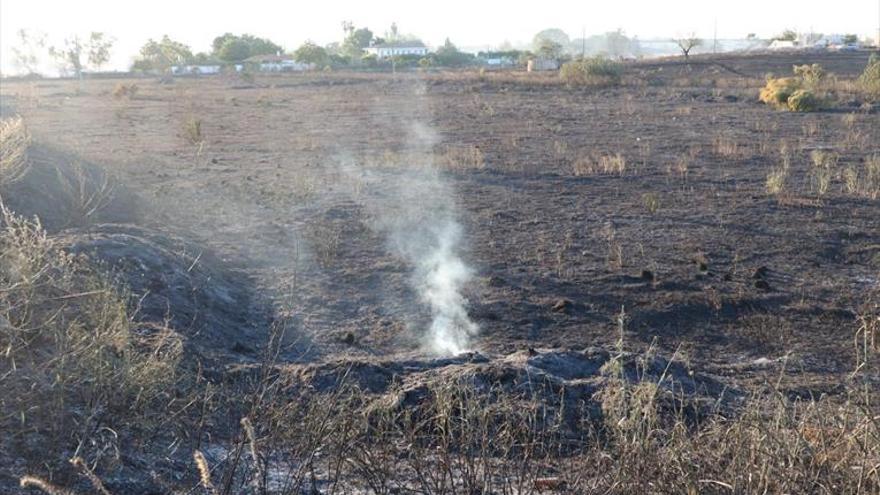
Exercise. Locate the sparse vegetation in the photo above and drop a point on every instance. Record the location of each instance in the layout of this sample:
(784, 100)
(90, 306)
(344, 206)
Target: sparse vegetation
(596, 71)
(870, 78)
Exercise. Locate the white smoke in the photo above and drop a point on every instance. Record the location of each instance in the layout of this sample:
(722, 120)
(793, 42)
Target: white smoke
(440, 276)
(414, 206)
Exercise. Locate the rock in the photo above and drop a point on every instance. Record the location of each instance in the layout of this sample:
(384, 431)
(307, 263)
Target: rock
(562, 306)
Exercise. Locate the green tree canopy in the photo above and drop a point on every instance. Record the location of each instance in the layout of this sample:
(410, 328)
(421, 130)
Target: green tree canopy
(311, 53)
(161, 55)
(450, 56)
(234, 48)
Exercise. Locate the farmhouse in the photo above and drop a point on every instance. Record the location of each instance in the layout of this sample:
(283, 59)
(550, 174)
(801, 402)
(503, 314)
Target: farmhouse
(393, 49)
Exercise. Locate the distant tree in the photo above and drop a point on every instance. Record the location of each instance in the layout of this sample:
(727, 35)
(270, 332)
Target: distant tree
(355, 42)
(555, 35)
(234, 48)
(548, 48)
(450, 56)
(787, 35)
(618, 44)
(688, 43)
(218, 42)
(161, 55)
(311, 53)
(393, 34)
(98, 47)
(850, 39)
(25, 51)
(68, 57)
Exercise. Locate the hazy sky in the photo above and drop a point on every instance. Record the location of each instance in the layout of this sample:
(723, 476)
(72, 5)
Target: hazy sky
(470, 23)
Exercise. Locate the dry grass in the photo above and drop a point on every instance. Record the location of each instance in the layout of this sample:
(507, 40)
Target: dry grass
(606, 164)
(192, 131)
(468, 157)
(70, 343)
(14, 142)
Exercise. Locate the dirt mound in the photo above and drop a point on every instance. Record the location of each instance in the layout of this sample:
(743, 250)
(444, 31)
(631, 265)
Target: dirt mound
(573, 379)
(66, 192)
(175, 281)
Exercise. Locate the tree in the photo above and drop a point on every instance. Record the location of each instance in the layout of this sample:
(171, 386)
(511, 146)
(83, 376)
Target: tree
(161, 55)
(787, 35)
(311, 53)
(355, 42)
(450, 56)
(850, 39)
(547, 48)
(69, 56)
(98, 47)
(25, 52)
(688, 43)
(234, 48)
(550, 37)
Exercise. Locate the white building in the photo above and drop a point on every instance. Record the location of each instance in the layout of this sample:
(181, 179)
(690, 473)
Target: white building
(179, 70)
(277, 63)
(386, 50)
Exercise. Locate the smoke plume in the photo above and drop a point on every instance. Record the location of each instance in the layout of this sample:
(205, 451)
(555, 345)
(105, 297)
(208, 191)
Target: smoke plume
(414, 206)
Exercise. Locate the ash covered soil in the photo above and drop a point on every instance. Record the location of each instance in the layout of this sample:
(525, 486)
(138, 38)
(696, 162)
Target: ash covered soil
(275, 206)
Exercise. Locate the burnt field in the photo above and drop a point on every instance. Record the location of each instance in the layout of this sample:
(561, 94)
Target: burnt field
(650, 216)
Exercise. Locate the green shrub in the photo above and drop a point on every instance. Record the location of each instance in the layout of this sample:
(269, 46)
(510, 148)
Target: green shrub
(804, 100)
(596, 71)
(869, 81)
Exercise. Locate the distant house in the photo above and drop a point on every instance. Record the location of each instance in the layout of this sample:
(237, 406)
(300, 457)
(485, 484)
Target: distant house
(181, 70)
(393, 49)
(277, 63)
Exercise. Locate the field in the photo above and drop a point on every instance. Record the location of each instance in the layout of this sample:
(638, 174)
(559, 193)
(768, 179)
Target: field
(682, 232)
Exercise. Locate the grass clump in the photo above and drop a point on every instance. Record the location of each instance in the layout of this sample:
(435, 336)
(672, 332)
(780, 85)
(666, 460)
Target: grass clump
(804, 100)
(192, 131)
(596, 71)
(14, 142)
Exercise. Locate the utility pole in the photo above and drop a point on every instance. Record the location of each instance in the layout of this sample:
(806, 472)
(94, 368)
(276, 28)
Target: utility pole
(584, 42)
(715, 38)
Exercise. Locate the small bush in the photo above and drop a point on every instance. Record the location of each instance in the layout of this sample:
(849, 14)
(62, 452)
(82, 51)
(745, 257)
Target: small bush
(777, 91)
(596, 71)
(801, 93)
(804, 100)
(869, 81)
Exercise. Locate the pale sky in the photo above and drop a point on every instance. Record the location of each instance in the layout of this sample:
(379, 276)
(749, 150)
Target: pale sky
(468, 23)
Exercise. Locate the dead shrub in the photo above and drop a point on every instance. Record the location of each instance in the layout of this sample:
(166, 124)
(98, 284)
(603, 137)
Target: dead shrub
(125, 90)
(14, 142)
